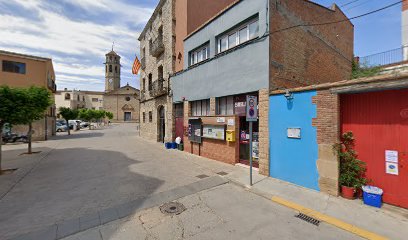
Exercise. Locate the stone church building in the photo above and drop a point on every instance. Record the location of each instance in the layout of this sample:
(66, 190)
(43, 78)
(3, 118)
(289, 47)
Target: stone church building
(123, 102)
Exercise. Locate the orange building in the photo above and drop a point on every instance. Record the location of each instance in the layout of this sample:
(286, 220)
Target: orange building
(21, 70)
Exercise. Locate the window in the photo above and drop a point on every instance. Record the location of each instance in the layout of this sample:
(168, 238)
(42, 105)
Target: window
(144, 117)
(200, 108)
(199, 55)
(127, 98)
(239, 35)
(110, 68)
(83, 98)
(150, 116)
(225, 105)
(14, 67)
(116, 69)
(67, 96)
(144, 84)
(150, 82)
(78, 98)
(95, 99)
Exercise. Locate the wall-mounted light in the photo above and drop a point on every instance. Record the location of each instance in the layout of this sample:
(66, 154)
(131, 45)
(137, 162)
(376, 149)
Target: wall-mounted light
(288, 95)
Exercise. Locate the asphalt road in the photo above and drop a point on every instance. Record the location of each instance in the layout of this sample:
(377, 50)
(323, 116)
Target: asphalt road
(91, 171)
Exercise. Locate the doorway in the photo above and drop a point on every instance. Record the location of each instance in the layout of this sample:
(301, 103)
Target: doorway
(379, 122)
(161, 124)
(179, 119)
(244, 150)
(128, 116)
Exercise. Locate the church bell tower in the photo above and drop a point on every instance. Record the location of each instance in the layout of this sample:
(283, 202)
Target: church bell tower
(112, 71)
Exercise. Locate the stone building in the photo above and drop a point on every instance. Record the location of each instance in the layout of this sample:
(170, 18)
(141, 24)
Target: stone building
(161, 48)
(21, 70)
(123, 102)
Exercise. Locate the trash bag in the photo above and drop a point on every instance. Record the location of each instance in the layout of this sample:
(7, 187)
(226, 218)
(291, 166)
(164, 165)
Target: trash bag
(178, 140)
(372, 190)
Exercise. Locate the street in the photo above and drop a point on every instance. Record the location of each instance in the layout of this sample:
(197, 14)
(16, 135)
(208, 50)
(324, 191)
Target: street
(78, 175)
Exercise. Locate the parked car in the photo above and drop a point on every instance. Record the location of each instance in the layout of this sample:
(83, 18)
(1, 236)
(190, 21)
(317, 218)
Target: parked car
(10, 137)
(61, 127)
(74, 124)
(84, 124)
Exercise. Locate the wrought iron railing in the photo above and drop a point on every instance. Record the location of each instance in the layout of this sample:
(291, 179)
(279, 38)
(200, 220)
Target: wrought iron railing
(158, 88)
(384, 58)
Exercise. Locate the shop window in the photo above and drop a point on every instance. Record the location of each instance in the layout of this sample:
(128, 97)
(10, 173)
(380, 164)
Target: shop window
(150, 116)
(200, 108)
(225, 105)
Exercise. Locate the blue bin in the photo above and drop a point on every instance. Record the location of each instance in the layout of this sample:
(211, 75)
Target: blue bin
(371, 199)
(174, 145)
(168, 145)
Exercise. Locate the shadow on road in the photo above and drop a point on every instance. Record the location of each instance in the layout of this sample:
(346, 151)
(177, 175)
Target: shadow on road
(69, 183)
(78, 135)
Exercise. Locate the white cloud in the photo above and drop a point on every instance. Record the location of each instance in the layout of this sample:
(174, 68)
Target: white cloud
(74, 44)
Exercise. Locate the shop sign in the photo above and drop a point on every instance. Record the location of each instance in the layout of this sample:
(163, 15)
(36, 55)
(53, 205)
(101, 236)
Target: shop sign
(220, 119)
(240, 105)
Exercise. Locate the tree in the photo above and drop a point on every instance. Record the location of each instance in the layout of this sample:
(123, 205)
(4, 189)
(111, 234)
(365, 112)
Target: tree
(36, 101)
(109, 115)
(11, 100)
(86, 115)
(68, 114)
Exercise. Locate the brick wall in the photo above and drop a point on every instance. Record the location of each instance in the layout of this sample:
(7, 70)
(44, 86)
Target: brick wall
(327, 124)
(303, 56)
(227, 152)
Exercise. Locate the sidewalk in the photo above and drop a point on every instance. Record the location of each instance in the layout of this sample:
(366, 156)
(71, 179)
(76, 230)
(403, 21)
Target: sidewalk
(390, 222)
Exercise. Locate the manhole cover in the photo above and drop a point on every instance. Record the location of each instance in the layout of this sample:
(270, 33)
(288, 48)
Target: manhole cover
(172, 208)
(222, 173)
(202, 176)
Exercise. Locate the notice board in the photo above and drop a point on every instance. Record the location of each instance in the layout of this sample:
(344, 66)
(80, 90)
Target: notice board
(214, 131)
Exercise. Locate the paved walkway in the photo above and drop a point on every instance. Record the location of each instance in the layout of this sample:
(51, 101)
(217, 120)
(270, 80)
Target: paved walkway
(93, 177)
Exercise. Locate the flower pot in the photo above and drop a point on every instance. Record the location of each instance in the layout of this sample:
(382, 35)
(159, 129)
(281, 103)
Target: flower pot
(348, 192)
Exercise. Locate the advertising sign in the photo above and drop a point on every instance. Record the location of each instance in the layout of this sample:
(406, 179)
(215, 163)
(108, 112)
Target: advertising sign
(252, 109)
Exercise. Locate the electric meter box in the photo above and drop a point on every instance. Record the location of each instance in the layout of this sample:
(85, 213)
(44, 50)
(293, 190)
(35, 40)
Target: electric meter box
(230, 135)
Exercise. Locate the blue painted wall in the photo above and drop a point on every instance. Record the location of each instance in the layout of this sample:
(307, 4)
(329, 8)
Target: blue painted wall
(293, 160)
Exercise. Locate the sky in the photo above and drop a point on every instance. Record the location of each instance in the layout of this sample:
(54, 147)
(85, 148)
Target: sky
(77, 34)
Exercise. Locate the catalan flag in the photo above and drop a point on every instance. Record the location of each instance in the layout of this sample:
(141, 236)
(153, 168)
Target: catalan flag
(136, 66)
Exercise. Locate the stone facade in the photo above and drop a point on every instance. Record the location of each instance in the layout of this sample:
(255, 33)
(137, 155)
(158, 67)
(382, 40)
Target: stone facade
(157, 44)
(123, 103)
(263, 109)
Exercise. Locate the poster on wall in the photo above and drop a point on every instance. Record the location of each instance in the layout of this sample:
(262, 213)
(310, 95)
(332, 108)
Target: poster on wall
(214, 132)
(391, 168)
(255, 150)
(391, 156)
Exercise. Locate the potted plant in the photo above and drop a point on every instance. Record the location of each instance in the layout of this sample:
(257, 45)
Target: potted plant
(352, 170)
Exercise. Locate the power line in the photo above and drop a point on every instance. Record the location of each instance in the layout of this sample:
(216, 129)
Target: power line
(358, 5)
(334, 22)
(349, 3)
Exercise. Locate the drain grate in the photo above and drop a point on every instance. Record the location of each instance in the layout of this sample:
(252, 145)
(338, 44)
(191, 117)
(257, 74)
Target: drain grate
(308, 219)
(172, 208)
(202, 176)
(222, 173)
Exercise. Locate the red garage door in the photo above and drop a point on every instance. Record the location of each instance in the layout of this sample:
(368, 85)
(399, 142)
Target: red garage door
(379, 121)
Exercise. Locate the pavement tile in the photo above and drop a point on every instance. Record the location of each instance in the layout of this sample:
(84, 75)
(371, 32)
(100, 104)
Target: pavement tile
(48, 233)
(89, 221)
(68, 227)
(108, 215)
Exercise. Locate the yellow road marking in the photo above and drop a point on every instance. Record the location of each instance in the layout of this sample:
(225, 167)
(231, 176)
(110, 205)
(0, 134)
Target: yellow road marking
(330, 220)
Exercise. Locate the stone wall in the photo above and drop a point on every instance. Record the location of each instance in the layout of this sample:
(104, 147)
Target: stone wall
(165, 20)
(43, 129)
(327, 124)
(264, 132)
(118, 105)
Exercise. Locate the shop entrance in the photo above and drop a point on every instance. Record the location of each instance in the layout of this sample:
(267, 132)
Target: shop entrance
(244, 142)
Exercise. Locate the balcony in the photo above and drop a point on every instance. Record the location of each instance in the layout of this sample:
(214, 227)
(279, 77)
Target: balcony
(158, 89)
(143, 62)
(157, 46)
